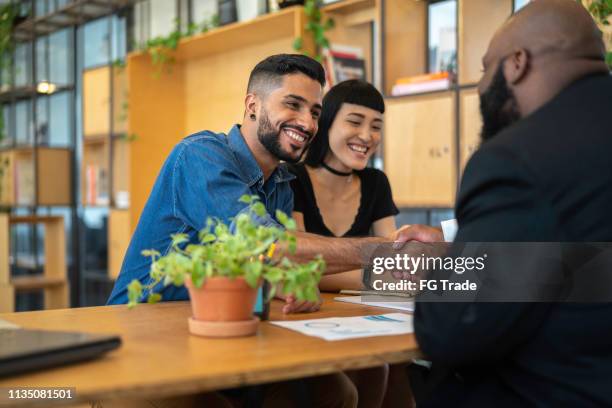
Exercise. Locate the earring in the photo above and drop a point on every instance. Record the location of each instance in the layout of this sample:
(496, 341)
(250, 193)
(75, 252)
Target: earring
(252, 116)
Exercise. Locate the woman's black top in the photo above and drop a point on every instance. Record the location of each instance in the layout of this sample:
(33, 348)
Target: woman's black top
(376, 202)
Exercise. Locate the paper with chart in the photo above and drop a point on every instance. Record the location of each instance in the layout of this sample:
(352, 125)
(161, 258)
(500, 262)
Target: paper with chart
(343, 328)
(389, 302)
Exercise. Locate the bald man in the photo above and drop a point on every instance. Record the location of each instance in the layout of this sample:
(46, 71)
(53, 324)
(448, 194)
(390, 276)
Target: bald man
(543, 173)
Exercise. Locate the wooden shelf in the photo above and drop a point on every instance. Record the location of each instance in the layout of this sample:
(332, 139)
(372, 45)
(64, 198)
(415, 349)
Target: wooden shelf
(48, 180)
(265, 28)
(118, 240)
(405, 40)
(348, 6)
(420, 151)
(32, 283)
(97, 99)
(53, 279)
(471, 123)
(478, 21)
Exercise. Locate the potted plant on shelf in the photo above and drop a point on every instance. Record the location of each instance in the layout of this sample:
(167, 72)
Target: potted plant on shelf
(224, 270)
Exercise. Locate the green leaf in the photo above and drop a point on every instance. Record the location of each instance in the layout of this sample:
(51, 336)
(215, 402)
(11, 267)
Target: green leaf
(134, 292)
(154, 298)
(150, 252)
(282, 217)
(247, 199)
(298, 43)
(258, 208)
(178, 239)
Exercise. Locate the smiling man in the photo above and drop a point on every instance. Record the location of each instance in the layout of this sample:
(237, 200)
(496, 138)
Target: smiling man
(206, 173)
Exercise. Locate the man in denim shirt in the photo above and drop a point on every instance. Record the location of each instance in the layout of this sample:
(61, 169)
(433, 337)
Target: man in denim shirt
(206, 173)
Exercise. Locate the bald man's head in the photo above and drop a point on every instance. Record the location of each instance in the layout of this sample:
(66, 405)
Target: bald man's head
(539, 51)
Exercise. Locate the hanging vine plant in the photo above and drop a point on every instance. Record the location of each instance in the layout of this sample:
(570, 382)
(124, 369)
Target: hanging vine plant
(601, 10)
(316, 27)
(8, 14)
(161, 48)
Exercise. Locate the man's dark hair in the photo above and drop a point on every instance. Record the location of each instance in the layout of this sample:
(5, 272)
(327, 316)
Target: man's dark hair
(352, 91)
(269, 72)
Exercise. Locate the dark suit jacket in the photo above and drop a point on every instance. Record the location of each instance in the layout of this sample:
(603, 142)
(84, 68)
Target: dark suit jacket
(546, 178)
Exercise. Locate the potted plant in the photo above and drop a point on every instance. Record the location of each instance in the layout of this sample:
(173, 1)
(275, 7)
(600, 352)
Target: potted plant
(224, 270)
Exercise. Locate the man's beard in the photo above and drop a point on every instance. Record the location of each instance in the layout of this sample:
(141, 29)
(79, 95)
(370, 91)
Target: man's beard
(498, 106)
(270, 139)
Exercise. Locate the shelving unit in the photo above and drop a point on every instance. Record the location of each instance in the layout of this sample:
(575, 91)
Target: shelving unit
(106, 147)
(53, 170)
(53, 281)
(36, 178)
(429, 138)
(470, 124)
(420, 149)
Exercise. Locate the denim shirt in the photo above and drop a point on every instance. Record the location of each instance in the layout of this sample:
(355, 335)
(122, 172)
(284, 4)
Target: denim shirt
(204, 176)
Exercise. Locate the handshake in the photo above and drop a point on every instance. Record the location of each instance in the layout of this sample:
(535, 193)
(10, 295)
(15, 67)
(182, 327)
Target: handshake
(417, 232)
(405, 234)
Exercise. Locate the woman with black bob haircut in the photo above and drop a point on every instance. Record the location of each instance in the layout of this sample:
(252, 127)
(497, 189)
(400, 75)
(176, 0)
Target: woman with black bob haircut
(335, 193)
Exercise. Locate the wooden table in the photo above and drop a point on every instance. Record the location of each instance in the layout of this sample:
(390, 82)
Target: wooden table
(159, 358)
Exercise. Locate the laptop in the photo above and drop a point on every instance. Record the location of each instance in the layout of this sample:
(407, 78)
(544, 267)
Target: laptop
(24, 350)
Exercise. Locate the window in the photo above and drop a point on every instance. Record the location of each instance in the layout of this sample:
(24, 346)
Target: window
(23, 64)
(23, 122)
(519, 4)
(203, 10)
(163, 17)
(60, 55)
(154, 18)
(42, 66)
(442, 36)
(60, 129)
(96, 40)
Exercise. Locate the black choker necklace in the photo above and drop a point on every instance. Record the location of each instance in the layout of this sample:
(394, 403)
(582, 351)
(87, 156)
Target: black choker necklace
(336, 172)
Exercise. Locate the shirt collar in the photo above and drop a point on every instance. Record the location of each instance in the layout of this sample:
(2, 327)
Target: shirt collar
(247, 161)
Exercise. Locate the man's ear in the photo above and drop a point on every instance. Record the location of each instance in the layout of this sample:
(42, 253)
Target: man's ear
(251, 104)
(516, 66)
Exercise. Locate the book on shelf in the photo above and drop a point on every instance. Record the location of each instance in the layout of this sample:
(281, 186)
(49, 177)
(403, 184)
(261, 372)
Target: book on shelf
(438, 81)
(96, 185)
(343, 62)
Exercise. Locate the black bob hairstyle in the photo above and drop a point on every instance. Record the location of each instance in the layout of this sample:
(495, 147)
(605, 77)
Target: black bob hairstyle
(270, 71)
(352, 91)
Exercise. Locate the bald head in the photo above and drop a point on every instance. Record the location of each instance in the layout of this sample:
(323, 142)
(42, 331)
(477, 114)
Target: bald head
(537, 53)
(561, 27)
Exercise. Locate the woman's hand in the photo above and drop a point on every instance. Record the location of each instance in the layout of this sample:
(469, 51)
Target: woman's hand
(292, 305)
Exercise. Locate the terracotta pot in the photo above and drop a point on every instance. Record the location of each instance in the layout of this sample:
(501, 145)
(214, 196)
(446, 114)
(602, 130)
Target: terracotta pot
(222, 299)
